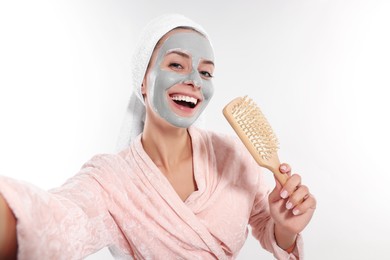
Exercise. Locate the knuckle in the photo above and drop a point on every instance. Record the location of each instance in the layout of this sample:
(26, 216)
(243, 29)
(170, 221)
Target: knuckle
(304, 188)
(296, 177)
(314, 200)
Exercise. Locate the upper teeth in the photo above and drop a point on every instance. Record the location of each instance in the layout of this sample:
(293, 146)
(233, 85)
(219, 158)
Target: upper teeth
(185, 98)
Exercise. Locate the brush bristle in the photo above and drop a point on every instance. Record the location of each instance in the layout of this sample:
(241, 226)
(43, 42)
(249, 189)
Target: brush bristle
(256, 127)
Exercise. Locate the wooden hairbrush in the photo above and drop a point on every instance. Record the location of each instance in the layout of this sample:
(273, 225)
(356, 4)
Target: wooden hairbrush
(256, 133)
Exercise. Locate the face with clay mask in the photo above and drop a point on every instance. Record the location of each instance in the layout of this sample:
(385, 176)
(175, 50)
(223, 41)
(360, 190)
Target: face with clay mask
(179, 84)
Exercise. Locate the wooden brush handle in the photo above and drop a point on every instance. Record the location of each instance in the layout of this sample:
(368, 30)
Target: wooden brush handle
(273, 166)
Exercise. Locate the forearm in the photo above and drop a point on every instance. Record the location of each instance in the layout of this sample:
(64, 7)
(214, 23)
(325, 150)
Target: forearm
(8, 241)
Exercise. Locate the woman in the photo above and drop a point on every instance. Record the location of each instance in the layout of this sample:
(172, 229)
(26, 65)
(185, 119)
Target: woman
(174, 191)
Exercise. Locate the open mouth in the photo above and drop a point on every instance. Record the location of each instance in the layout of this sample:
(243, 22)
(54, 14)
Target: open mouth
(184, 101)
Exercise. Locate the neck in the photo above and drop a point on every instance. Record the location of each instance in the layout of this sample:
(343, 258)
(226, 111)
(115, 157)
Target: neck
(165, 144)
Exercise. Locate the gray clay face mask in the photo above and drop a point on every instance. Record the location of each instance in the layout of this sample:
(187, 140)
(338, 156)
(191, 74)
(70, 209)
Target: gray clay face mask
(161, 82)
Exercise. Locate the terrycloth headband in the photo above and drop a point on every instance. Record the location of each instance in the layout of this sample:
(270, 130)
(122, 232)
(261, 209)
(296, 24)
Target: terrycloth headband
(133, 123)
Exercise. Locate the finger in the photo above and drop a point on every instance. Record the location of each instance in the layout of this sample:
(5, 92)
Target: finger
(274, 195)
(310, 203)
(297, 197)
(285, 168)
(290, 186)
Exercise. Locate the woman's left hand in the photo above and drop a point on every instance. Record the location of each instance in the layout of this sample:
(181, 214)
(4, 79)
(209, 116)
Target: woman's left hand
(292, 205)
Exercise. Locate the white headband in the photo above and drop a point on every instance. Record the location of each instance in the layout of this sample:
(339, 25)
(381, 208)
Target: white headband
(134, 119)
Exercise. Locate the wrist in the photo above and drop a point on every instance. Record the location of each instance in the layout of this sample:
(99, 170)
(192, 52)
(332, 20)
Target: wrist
(284, 239)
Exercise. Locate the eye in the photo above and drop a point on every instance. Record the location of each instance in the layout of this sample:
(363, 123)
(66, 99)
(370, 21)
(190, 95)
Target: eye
(206, 74)
(175, 65)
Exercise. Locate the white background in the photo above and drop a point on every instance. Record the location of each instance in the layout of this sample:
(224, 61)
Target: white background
(318, 69)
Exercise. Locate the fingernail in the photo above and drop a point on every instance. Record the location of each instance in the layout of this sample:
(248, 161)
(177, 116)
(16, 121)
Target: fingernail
(283, 168)
(295, 211)
(288, 205)
(284, 194)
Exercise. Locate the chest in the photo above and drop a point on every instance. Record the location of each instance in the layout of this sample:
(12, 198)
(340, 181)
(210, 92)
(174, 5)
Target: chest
(182, 179)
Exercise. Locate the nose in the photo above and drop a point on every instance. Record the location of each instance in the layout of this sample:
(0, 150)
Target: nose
(194, 79)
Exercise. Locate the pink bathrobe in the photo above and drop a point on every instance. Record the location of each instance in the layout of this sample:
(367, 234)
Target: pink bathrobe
(124, 202)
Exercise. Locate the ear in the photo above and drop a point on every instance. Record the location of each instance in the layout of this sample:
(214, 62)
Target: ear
(143, 87)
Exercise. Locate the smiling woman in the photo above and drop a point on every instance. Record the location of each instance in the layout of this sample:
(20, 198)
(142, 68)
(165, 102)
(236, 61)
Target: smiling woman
(173, 190)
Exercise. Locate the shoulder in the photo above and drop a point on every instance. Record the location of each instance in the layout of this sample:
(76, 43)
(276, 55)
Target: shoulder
(107, 163)
(229, 153)
(224, 144)
(217, 139)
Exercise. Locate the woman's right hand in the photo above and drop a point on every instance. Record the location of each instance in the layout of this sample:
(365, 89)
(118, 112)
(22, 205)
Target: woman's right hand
(8, 242)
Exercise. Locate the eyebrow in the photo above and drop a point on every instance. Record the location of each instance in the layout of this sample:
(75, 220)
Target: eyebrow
(185, 55)
(208, 62)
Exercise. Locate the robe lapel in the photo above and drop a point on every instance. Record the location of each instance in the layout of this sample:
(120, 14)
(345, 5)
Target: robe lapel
(168, 194)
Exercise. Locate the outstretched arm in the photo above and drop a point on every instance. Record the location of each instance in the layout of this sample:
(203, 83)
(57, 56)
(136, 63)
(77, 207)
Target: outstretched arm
(8, 242)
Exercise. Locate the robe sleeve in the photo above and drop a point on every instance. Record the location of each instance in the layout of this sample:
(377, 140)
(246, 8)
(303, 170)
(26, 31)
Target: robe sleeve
(69, 222)
(263, 226)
